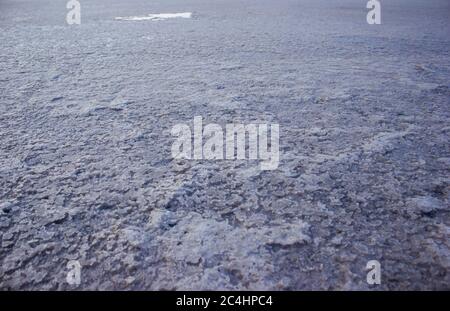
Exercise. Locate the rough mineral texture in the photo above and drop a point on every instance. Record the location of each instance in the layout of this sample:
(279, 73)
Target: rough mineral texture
(86, 171)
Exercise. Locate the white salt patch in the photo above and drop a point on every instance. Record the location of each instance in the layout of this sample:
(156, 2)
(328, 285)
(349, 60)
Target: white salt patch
(155, 17)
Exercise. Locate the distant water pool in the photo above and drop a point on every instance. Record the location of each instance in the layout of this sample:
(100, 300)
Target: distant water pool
(156, 17)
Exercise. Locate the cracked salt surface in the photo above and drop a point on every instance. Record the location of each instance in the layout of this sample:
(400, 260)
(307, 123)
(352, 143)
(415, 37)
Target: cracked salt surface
(156, 17)
(85, 137)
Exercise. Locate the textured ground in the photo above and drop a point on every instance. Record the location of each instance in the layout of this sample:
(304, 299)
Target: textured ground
(86, 170)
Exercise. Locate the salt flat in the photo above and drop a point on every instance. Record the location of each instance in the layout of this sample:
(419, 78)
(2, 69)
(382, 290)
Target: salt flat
(86, 171)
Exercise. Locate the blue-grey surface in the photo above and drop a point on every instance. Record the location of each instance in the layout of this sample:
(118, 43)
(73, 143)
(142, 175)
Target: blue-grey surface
(86, 171)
